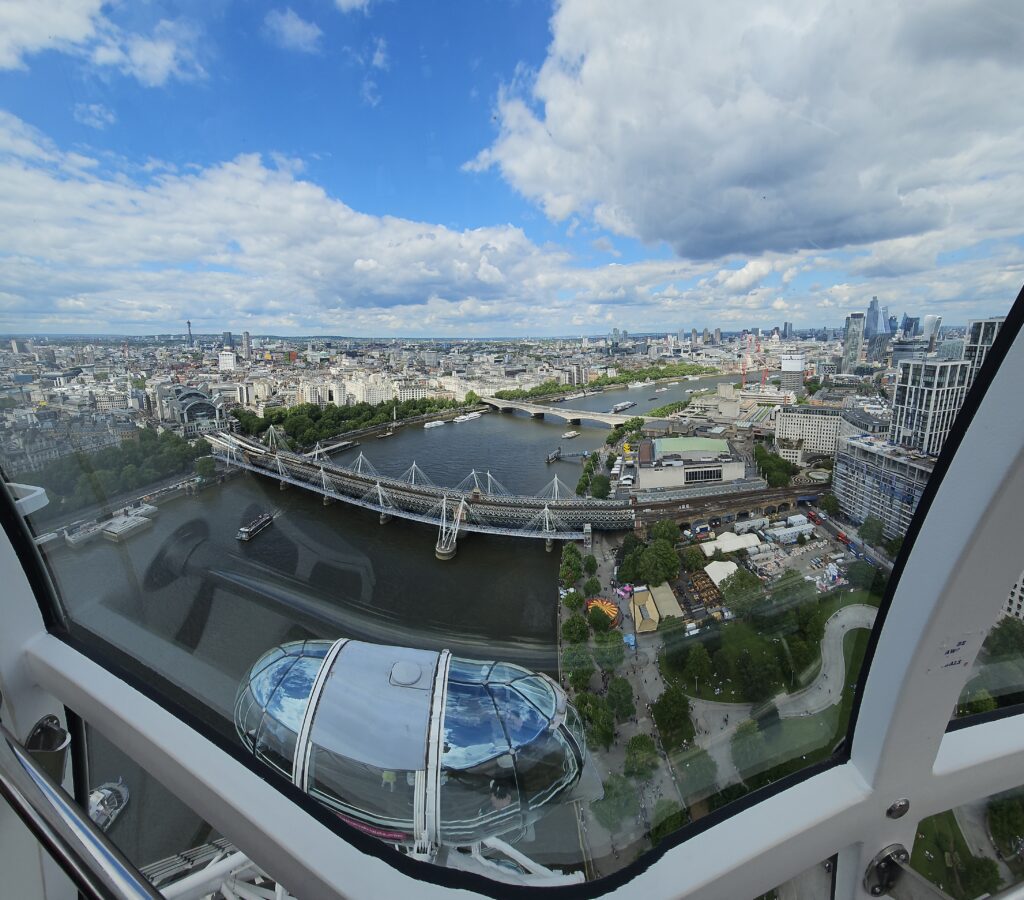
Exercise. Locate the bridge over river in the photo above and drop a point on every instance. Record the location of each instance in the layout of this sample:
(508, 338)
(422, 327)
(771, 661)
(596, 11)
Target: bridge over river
(479, 503)
(573, 416)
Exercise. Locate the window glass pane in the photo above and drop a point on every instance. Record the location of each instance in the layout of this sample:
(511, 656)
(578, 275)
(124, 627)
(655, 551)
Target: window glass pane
(997, 674)
(815, 883)
(594, 438)
(974, 850)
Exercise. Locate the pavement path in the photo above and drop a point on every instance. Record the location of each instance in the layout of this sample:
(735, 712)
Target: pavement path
(971, 817)
(717, 722)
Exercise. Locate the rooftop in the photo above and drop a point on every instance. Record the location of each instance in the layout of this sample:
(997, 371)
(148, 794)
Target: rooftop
(702, 446)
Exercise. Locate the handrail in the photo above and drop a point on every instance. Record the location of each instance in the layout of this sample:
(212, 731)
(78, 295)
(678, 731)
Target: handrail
(88, 858)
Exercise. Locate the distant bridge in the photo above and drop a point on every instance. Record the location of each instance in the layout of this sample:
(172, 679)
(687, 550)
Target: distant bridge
(573, 416)
(479, 503)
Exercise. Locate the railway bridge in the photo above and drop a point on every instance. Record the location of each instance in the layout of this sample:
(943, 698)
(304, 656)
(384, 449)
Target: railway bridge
(573, 416)
(479, 503)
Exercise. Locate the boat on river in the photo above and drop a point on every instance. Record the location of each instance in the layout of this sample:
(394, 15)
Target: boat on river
(433, 424)
(248, 532)
(468, 417)
(569, 435)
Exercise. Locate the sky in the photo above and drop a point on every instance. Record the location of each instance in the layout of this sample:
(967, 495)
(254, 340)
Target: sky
(516, 168)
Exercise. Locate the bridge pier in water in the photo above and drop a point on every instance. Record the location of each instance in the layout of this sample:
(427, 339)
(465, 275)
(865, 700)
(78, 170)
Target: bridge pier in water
(385, 517)
(444, 552)
(549, 544)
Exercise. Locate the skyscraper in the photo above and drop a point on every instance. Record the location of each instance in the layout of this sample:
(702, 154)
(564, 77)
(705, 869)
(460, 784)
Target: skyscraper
(246, 345)
(191, 342)
(792, 376)
(718, 335)
(853, 342)
(229, 341)
(930, 329)
(909, 326)
(928, 397)
(873, 321)
(980, 336)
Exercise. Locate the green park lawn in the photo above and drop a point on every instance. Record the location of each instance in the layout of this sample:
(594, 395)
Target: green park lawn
(930, 835)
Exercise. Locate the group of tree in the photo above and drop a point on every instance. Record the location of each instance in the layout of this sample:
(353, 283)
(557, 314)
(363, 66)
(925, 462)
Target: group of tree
(742, 592)
(748, 746)
(593, 479)
(598, 719)
(668, 409)
(578, 666)
(693, 559)
(978, 701)
(308, 423)
(668, 818)
(550, 388)
(82, 479)
(629, 427)
(775, 469)
(571, 569)
(620, 699)
(862, 574)
(671, 713)
(665, 530)
(829, 503)
(653, 563)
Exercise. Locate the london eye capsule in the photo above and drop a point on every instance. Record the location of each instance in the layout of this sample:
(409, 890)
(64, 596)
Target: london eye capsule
(417, 747)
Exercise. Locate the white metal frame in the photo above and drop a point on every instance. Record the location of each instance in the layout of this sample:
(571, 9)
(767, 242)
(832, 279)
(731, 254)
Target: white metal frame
(966, 556)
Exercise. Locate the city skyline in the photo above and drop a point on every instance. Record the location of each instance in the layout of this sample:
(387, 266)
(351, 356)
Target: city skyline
(382, 170)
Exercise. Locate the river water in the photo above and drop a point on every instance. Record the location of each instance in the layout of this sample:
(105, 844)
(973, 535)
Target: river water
(188, 601)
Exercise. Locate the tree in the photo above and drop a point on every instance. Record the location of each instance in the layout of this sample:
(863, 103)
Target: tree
(665, 530)
(582, 485)
(610, 461)
(573, 600)
(698, 666)
(641, 757)
(571, 551)
(576, 661)
(598, 720)
(598, 620)
(693, 559)
(592, 587)
(590, 564)
(861, 574)
(668, 818)
(620, 802)
(471, 399)
(801, 539)
(574, 630)
(206, 467)
(980, 701)
(659, 563)
(748, 748)
(871, 531)
(830, 504)
(620, 699)
(1006, 639)
(979, 875)
(742, 592)
(671, 713)
(894, 545)
(600, 487)
(609, 651)
(629, 569)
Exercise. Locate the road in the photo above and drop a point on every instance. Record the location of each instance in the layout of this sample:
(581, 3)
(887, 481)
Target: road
(717, 722)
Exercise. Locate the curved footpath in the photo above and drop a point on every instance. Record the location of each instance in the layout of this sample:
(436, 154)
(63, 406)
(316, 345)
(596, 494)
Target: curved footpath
(716, 723)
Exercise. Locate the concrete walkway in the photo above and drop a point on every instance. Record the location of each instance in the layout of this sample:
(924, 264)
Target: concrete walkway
(972, 819)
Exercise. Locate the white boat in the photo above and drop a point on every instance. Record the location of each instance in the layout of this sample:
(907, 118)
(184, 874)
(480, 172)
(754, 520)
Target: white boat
(248, 532)
(673, 383)
(433, 424)
(569, 435)
(661, 390)
(468, 417)
(626, 404)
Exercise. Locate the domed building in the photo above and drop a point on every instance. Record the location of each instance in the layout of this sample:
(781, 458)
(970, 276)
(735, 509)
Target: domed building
(417, 747)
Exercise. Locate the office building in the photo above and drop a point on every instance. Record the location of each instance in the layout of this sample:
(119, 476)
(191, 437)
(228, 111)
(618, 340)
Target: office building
(930, 330)
(718, 336)
(981, 333)
(805, 431)
(246, 346)
(792, 376)
(910, 326)
(852, 343)
(1015, 602)
(928, 397)
(228, 342)
(226, 360)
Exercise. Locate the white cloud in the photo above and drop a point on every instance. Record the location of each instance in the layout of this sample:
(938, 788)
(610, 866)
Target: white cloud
(28, 26)
(380, 54)
(95, 115)
(369, 92)
(347, 6)
(170, 52)
(92, 244)
(603, 244)
(290, 31)
(771, 127)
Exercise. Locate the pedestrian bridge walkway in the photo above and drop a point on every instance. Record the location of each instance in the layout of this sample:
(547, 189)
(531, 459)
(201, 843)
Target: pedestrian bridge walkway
(574, 416)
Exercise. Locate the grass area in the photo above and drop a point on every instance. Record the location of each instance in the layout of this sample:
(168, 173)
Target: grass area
(808, 739)
(933, 836)
(832, 603)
